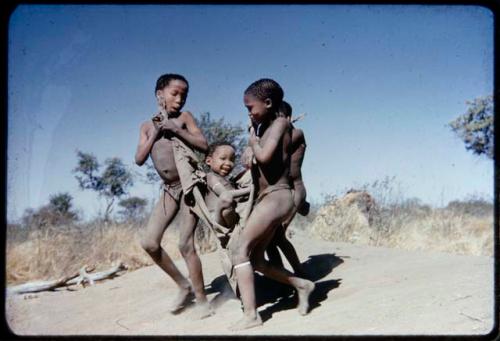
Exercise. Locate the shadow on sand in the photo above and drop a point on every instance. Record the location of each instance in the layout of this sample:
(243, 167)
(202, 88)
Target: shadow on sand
(281, 296)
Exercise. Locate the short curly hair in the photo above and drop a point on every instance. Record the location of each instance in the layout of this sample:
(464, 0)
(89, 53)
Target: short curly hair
(285, 109)
(213, 147)
(165, 79)
(266, 88)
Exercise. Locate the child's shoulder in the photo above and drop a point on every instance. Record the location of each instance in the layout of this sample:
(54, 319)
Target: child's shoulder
(214, 178)
(146, 125)
(186, 115)
(297, 133)
(281, 123)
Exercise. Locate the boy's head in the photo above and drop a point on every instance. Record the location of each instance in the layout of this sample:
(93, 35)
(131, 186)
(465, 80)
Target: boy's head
(262, 98)
(285, 110)
(171, 91)
(220, 158)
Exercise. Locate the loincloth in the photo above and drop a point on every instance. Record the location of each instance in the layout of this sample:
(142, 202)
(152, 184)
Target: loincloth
(270, 189)
(173, 189)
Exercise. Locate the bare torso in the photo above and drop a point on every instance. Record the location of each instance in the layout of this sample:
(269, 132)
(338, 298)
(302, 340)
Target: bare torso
(212, 179)
(278, 169)
(298, 150)
(162, 155)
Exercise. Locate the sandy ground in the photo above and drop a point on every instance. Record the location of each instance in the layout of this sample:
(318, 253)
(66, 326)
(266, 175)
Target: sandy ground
(360, 290)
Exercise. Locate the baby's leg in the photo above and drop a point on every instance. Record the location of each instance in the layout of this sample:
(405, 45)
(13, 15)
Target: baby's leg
(163, 213)
(265, 215)
(187, 249)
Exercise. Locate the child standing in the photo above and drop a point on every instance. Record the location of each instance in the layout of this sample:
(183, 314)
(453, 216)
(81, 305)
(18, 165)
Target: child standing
(299, 199)
(270, 145)
(155, 141)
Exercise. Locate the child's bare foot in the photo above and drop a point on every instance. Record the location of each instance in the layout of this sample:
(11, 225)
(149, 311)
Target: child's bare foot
(202, 310)
(247, 321)
(184, 295)
(304, 291)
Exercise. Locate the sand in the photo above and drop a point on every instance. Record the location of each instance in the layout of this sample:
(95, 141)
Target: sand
(360, 290)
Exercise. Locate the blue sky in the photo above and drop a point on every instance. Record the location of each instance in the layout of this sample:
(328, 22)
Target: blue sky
(378, 84)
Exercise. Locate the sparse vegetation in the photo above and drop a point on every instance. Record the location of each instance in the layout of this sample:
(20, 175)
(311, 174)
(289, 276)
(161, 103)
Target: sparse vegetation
(113, 183)
(462, 227)
(48, 252)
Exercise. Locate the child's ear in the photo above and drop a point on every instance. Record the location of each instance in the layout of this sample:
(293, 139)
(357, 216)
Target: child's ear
(208, 160)
(159, 94)
(268, 102)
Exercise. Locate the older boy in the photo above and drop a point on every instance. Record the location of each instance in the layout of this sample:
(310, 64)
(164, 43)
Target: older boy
(155, 140)
(271, 148)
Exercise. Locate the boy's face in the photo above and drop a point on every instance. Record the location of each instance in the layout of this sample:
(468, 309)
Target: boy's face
(258, 109)
(222, 160)
(173, 96)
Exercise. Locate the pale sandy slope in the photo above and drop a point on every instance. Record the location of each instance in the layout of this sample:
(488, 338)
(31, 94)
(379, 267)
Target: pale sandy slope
(359, 290)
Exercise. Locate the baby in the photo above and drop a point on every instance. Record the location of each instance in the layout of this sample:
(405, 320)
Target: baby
(221, 195)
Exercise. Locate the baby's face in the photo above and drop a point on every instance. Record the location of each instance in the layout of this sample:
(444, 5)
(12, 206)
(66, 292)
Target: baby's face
(222, 160)
(173, 96)
(257, 108)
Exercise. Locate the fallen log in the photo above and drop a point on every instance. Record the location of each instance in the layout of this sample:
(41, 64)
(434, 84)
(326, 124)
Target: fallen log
(81, 277)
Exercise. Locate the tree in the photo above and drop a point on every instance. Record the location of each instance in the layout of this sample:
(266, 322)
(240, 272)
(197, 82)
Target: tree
(61, 205)
(475, 127)
(57, 212)
(112, 184)
(221, 131)
(132, 208)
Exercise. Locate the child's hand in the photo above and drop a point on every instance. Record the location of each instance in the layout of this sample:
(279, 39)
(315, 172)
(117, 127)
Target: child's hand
(246, 157)
(253, 139)
(170, 125)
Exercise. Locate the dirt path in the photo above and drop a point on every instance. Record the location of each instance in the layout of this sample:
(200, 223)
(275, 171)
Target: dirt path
(359, 290)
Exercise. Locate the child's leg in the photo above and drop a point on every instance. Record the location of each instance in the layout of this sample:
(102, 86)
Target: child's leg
(299, 195)
(163, 213)
(304, 287)
(291, 255)
(187, 249)
(265, 215)
(272, 249)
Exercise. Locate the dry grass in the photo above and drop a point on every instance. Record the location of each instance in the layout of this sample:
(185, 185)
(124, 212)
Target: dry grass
(410, 227)
(49, 252)
(466, 227)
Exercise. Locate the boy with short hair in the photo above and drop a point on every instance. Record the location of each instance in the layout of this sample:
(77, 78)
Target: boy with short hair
(155, 141)
(299, 198)
(271, 148)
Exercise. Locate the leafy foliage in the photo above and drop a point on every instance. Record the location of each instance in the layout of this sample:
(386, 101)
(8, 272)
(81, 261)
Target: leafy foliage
(58, 212)
(113, 183)
(132, 208)
(221, 131)
(475, 127)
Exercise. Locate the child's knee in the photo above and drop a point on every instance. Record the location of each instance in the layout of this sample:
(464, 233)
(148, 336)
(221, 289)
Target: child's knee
(186, 249)
(242, 253)
(150, 246)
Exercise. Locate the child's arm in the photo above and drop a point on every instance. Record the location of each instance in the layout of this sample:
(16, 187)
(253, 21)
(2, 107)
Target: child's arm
(192, 135)
(264, 154)
(147, 136)
(221, 191)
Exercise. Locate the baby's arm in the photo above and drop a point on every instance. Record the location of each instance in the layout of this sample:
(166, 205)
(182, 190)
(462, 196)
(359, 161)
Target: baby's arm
(147, 136)
(264, 154)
